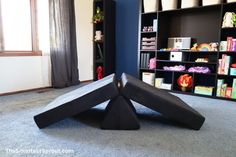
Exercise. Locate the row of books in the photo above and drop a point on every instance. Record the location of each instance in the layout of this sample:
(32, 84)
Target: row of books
(231, 44)
(144, 61)
(224, 91)
(224, 64)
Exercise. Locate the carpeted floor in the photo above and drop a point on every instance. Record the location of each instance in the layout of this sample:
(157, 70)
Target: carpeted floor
(81, 136)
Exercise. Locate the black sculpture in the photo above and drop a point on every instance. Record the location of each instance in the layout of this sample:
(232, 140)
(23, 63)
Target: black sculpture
(120, 114)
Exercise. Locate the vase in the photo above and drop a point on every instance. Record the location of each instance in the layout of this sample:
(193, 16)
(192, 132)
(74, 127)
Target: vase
(169, 4)
(150, 5)
(189, 3)
(210, 2)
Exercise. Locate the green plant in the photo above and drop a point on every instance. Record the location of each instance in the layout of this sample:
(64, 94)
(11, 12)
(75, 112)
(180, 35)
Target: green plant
(234, 20)
(98, 17)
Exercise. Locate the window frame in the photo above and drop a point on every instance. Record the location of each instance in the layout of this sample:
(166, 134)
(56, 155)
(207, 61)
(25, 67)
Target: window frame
(34, 36)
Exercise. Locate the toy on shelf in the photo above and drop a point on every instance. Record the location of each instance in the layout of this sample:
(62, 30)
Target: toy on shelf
(194, 48)
(201, 60)
(185, 82)
(204, 47)
(98, 36)
(233, 65)
(175, 68)
(228, 20)
(199, 69)
(152, 63)
(99, 72)
(214, 46)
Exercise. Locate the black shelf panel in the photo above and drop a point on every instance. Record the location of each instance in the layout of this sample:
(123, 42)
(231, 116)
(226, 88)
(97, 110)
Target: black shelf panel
(149, 32)
(187, 51)
(187, 62)
(147, 50)
(226, 76)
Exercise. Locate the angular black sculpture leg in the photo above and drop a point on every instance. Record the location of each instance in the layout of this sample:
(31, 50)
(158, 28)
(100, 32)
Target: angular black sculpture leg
(78, 101)
(161, 101)
(120, 115)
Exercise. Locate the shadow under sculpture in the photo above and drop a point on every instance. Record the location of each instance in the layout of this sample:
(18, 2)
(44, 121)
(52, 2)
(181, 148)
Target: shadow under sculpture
(120, 113)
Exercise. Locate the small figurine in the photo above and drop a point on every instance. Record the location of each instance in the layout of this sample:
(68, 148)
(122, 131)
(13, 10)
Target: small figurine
(98, 36)
(214, 46)
(228, 20)
(194, 48)
(99, 72)
(152, 63)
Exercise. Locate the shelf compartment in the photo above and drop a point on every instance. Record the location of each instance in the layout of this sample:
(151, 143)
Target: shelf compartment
(176, 87)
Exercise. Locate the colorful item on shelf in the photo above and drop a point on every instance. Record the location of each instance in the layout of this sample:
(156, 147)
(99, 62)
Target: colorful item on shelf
(98, 36)
(185, 81)
(201, 60)
(175, 68)
(233, 65)
(99, 72)
(203, 90)
(204, 47)
(228, 20)
(223, 45)
(152, 63)
(199, 69)
(233, 71)
(214, 46)
(194, 48)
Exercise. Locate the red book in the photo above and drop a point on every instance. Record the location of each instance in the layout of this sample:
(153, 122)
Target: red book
(228, 93)
(229, 43)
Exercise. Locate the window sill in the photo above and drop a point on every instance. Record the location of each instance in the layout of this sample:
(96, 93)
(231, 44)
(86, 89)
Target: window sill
(20, 53)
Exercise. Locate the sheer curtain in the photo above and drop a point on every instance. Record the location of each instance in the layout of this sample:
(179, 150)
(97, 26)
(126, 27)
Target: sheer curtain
(63, 43)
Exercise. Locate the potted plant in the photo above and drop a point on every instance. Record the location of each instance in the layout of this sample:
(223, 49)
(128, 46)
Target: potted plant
(150, 5)
(98, 17)
(169, 4)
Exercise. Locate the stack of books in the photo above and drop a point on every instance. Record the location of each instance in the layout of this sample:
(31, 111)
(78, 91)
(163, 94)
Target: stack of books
(144, 60)
(224, 64)
(224, 91)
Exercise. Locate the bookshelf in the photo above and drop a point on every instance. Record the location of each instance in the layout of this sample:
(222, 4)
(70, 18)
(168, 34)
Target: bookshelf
(104, 38)
(204, 25)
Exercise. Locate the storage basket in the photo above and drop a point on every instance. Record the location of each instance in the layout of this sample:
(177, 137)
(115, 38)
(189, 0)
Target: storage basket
(150, 5)
(189, 3)
(210, 2)
(169, 4)
(231, 1)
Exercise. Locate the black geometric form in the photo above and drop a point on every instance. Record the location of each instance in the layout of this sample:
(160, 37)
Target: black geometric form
(78, 101)
(161, 101)
(120, 115)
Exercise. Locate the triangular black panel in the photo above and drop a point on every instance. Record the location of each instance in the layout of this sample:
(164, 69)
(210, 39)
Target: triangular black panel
(120, 115)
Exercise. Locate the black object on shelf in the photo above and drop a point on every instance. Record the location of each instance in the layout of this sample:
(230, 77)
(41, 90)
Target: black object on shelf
(204, 25)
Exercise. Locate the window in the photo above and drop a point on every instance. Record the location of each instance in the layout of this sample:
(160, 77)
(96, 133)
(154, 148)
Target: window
(18, 27)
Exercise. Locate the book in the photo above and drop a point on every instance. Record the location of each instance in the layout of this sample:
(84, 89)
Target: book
(229, 43)
(219, 66)
(223, 90)
(228, 93)
(219, 85)
(227, 65)
(234, 89)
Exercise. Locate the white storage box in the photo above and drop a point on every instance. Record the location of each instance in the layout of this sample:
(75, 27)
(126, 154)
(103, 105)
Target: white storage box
(231, 1)
(182, 43)
(148, 78)
(169, 4)
(210, 2)
(189, 3)
(150, 5)
(176, 56)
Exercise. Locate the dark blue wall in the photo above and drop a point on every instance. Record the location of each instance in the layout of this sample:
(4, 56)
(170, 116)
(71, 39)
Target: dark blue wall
(127, 16)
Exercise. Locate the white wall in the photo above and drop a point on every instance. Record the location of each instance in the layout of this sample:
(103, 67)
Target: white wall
(29, 72)
(24, 73)
(84, 33)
